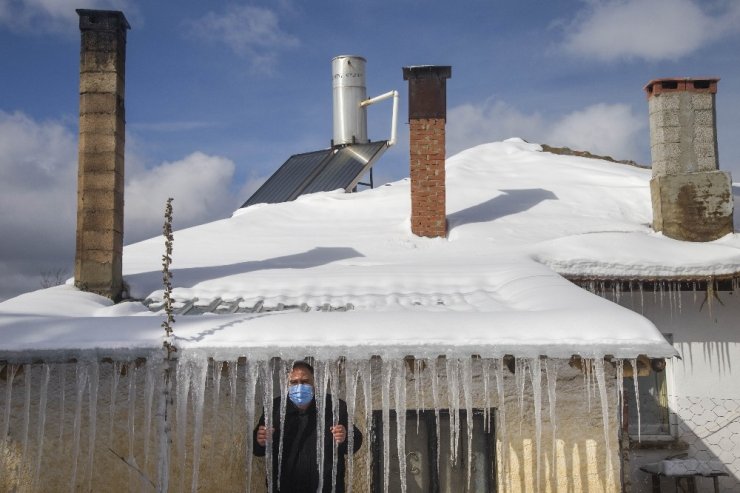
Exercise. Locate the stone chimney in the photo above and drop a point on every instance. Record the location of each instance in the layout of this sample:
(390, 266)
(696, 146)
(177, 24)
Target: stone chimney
(98, 255)
(427, 118)
(692, 198)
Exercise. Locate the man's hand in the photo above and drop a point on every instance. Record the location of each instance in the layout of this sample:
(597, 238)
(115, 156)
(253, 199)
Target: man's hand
(339, 432)
(262, 435)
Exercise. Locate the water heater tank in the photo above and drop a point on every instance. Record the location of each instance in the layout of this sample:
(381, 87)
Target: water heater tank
(348, 85)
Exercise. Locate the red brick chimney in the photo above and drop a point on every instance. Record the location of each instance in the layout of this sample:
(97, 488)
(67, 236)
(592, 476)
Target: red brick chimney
(427, 118)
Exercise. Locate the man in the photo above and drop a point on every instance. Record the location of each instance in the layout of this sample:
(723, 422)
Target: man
(300, 471)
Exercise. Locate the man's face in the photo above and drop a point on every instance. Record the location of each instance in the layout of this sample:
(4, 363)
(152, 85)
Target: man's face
(300, 375)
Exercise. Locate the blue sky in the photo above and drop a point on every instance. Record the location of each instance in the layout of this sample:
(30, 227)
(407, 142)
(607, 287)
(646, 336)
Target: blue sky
(219, 94)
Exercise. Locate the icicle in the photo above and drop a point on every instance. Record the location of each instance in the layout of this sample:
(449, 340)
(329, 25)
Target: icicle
(417, 391)
(601, 381)
(266, 374)
(116, 376)
(620, 391)
(520, 376)
(26, 409)
(642, 297)
(250, 381)
(93, 418)
(350, 379)
(693, 286)
(435, 399)
(637, 398)
(679, 295)
(233, 369)
(285, 370)
(400, 398)
(215, 419)
(467, 384)
(164, 423)
(453, 395)
(45, 373)
(131, 423)
(62, 387)
(198, 386)
(149, 384)
(502, 429)
(365, 369)
(551, 372)
(386, 375)
(586, 370)
(536, 372)
(80, 384)
(333, 371)
(10, 371)
(184, 374)
(486, 364)
(321, 378)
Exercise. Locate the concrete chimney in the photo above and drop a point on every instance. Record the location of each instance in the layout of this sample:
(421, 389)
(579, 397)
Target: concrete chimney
(692, 199)
(98, 255)
(427, 118)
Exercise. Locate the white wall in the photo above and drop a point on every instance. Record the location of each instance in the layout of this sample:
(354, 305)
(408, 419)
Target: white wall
(704, 385)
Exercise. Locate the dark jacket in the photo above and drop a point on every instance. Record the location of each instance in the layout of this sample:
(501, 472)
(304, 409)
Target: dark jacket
(300, 471)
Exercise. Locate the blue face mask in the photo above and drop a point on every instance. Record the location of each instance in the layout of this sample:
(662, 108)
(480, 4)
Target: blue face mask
(300, 394)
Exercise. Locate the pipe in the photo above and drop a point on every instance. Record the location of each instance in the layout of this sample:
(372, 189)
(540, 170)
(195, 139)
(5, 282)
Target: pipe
(394, 115)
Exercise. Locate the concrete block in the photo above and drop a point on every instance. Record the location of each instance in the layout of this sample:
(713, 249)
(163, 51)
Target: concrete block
(110, 82)
(694, 206)
(100, 123)
(98, 61)
(103, 181)
(665, 157)
(704, 149)
(665, 118)
(96, 199)
(97, 162)
(705, 134)
(101, 220)
(702, 101)
(666, 135)
(704, 117)
(665, 101)
(99, 102)
(98, 143)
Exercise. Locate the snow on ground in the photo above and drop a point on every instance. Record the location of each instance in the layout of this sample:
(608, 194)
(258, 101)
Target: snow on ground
(516, 216)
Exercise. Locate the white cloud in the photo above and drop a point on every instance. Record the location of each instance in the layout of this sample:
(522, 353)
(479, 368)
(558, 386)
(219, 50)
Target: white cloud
(252, 32)
(51, 15)
(649, 29)
(472, 124)
(199, 183)
(610, 129)
(605, 129)
(38, 197)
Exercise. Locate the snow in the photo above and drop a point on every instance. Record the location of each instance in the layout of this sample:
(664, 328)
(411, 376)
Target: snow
(518, 218)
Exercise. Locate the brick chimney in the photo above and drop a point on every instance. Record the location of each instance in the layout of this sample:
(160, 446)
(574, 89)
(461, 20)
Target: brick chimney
(98, 255)
(692, 199)
(427, 118)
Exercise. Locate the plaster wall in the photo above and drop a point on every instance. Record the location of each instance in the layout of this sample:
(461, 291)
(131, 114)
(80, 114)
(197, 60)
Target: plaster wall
(704, 395)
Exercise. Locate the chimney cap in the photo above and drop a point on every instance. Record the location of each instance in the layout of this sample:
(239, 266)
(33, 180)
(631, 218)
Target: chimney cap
(427, 72)
(102, 20)
(681, 84)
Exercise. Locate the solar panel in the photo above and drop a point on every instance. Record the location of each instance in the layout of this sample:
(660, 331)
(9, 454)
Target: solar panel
(346, 167)
(287, 182)
(318, 171)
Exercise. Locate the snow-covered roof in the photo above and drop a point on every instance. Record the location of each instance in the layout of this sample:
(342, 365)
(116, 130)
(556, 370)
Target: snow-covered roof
(359, 282)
